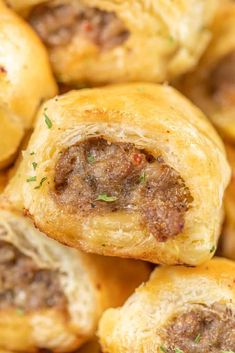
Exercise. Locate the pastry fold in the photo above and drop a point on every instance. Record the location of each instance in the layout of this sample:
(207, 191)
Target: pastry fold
(227, 240)
(25, 80)
(212, 85)
(104, 41)
(129, 170)
(51, 296)
(180, 309)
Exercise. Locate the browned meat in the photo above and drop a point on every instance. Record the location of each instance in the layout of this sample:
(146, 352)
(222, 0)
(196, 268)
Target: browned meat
(23, 285)
(97, 176)
(205, 329)
(223, 80)
(57, 24)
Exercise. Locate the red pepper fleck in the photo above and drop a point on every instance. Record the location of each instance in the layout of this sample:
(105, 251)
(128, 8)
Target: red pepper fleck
(87, 26)
(3, 70)
(137, 158)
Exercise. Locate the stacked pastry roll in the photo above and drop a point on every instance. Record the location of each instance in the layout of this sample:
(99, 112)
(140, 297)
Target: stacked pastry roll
(25, 81)
(114, 41)
(212, 85)
(180, 309)
(116, 171)
(51, 296)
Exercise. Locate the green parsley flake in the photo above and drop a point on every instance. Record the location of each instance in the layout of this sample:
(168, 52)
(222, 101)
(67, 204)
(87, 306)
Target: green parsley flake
(33, 178)
(212, 249)
(41, 182)
(90, 158)
(197, 338)
(163, 349)
(106, 198)
(34, 164)
(32, 153)
(143, 177)
(19, 311)
(48, 121)
(177, 350)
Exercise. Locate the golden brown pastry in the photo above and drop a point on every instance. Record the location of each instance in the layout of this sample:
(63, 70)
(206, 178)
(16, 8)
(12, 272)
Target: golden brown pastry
(25, 81)
(180, 309)
(51, 296)
(132, 170)
(104, 41)
(227, 242)
(11, 133)
(212, 85)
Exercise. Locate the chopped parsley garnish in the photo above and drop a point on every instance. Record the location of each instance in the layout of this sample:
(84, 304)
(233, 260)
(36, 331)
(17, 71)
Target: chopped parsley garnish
(19, 311)
(41, 182)
(90, 158)
(212, 249)
(48, 121)
(106, 198)
(34, 164)
(32, 153)
(177, 350)
(143, 177)
(163, 349)
(197, 338)
(33, 178)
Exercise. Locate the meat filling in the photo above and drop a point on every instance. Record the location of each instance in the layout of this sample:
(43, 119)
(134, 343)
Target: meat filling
(206, 329)
(97, 176)
(57, 24)
(23, 286)
(223, 81)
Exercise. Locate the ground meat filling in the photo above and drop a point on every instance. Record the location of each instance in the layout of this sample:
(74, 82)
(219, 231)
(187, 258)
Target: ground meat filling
(206, 329)
(23, 286)
(223, 81)
(97, 176)
(57, 24)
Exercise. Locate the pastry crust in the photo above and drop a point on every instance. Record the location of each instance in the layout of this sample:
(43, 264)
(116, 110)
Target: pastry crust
(139, 326)
(227, 241)
(89, 283)
(11, 133)
(27, 81)
(24, 82)
(217, 104)
(152, 117)
(165, 40)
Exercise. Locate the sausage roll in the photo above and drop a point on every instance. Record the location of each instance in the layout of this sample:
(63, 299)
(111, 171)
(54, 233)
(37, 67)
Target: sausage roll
(212, 85)
(25, 80)
(128, 170)
(104, 41)
(51, 296)
(179, 310)
(227, 241)
(11, 133)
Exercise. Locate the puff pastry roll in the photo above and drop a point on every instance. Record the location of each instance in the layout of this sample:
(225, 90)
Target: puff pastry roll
(117, 170)
(104, 41)
(52, 296)
(212, 85)
(227, 241)
(180, 309)
(11, 133)
(25, 81)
